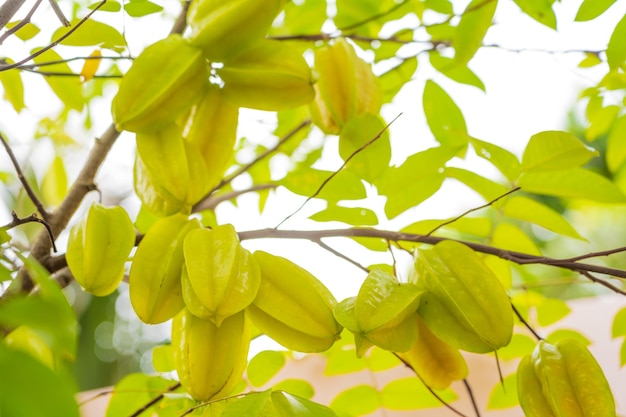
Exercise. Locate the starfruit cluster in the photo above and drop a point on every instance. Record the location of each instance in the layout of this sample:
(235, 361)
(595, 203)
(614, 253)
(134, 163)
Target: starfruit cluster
(214, 290)
(182, 96)
(563, 379)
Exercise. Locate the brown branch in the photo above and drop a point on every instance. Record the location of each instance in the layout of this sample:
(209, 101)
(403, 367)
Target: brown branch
(602, 282)
(68, 74)
(213, 201)
(472, 398)
(524, 322)
(447, 222)
(8, 10)
(340, 255)
(334, 174)
(17, 221)
(21, 24)
(20, 174)
(76, 58)
(55, 43)
(154, 400)
(59, 13)
(516, 257)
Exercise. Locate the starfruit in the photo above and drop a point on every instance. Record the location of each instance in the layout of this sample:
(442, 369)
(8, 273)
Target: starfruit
(212, 130)
(226, 29)
(165, 80)
(382, 314)
(563, 379)
(154, 281)
(437, 363)
(293, 307)
(170, 173)
(98, 248)
(464, 303)
(271, 76)
(222, 278)
(346, 87)
(210, 360)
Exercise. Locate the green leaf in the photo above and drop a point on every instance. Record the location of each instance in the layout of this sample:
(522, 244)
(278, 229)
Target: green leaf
(572, 183)
(54, 184)
(473, 26)
(68, 89)
(368, 159)
(141, 8)
(510, 237)
(355, 216)
(622, 354)
(393, 80)
(455, 71)
(163, 358)
(524, 208)
(357, 401)
(590, 60)
(561, 334)
(616, 50)
(439, 6)
(504, 395)
(506, 162)
(552, 150)
(342, 357)
(590, 9)
(381, 360)
(477, 226)
(13, 86)
(21, 376)
(307, 16)
(343, 186)
(91, 33)
(134, 391)
(264, 366)
(360, 14)
(109, 6)
(254, 404)
(521, 345)
(551, 311)
(298, 387)
(540, 10)
(26, 32)
(412, 394)
(289, 405)
(444, 117)
(486, 188)
(619, 324)
(600, 121)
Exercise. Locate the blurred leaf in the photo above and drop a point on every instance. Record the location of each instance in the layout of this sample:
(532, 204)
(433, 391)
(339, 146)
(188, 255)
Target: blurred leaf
(298, 387)
(530, 210)
(439, 6)
(253, 404)
(510, 237)
(90, 67)
(616, 146)
(477, 226)
(356, 16)
(355, 216)
(372, 158)
(163, 358)
(343, 186)
(372, 243)
(600, 121)
(444, 117)
(568, 334)
(294, 406)
(388, 50)
(91, 33)
(551, 311)
(54, 184)
(173, 405)
(572, 183)
(307, 16)
(622, 354)
(134, 391)
(341, 358)
(619, 324)
(396, 78)
(540, 10)
(109, 6)
(486, 188)
(552, 150)
(13, 86)
(264, 366)
(67, 89)
(381, 360)
(455, 71)
(590, 9)
(141, 8)
(506, 162)
(591, 60)
(520, 346)
(471, 30)
(357, 401)
(22, 377)
(616, 50)
(412, 394)
(26, 32)
(504, 395)
(55, 130)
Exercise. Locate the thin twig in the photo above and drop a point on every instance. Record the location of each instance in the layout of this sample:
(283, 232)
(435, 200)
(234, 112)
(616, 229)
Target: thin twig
(55, 43)
(490, 203)
(602, 282)
(213, 201)
(154, 400)
(340, 255)
(393, 258)
(524, 322)
(69, 74)
(59, 13)
(17, 221)
(22, 23)
(76, 58)
(334, 174)
(20, 174)
(595, 254)
(472, 398)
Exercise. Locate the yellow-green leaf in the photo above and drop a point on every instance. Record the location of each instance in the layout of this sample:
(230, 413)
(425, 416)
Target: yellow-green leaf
(444, 117)
(504, 395)
(616, 50)
(454, 70)
(54, 183)
(473, 26)
(553, 150)
(411, 394)
(355, 216)
(26, 32)
(506, 162)
(530, 210)
(91, 33)
(510, 237)
(356, 401)
(67, 89)
(590, 9)
(485, 187)
(540, 10)
(343, 186)
(11, 81)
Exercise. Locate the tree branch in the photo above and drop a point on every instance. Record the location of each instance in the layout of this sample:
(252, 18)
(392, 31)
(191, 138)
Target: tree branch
(21, 24)
(30, 219)
(211, 202)
(20, 174)
(8, 10)
(525, 323)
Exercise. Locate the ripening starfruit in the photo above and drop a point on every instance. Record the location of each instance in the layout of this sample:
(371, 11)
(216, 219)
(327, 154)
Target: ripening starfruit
(165, 80)
(271, 76)
(293, 307)
(437, 363)
(155, 274)
(382, 314)
(222, 278)
(213, 132)
(210, 360)
(224, 29)
(346, 87)
(98, 248)
(464, 303)
(563, 379)
(170, 173)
